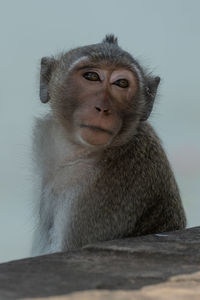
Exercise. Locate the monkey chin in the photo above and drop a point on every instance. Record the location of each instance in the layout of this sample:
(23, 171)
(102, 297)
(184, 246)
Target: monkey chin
(92, 136)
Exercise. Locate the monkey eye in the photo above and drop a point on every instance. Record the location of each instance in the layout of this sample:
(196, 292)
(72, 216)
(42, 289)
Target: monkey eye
(123, 83)
(92, 76)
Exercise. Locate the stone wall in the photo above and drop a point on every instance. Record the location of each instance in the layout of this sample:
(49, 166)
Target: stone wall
(165, 266)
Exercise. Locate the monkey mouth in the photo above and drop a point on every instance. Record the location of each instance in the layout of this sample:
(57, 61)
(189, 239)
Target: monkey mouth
(96, 128)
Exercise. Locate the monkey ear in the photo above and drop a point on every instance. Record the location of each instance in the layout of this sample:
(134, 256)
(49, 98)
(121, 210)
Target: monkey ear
(47, 64)
(150, 93)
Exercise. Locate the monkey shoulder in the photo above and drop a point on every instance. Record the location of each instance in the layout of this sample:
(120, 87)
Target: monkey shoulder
(149, 155)
(142, 164)
(147, 149)
(42, 139)
(144, 148)
(41, 128)
(146, 139)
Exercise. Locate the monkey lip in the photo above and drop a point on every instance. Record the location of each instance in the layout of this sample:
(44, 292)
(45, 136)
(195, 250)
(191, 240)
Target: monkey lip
(96, 128)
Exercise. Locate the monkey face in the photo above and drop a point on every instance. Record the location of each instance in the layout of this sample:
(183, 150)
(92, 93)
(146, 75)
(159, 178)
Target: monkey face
(103, 93)
(100, 94)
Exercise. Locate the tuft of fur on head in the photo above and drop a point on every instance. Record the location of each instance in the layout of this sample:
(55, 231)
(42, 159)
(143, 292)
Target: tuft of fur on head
(111, 39)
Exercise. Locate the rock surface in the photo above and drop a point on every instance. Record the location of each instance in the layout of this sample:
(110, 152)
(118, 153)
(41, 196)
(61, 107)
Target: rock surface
(165, 266)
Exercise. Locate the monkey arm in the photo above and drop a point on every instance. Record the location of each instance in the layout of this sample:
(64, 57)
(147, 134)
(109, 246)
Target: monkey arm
(166, 215)
(42, 164)
(162, 207)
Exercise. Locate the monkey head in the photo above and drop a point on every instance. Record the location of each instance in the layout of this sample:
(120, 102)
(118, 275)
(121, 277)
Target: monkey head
(99, 93)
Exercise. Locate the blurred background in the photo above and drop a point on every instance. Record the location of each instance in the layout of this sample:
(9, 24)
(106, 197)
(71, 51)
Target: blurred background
(163, 35)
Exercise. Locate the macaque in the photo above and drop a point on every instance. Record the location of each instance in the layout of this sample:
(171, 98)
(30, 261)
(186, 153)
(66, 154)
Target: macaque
(102, 170)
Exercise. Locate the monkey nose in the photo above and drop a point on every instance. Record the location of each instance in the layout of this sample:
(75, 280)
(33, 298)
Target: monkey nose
(103, 110)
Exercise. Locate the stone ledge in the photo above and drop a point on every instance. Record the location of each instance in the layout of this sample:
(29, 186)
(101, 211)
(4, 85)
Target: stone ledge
(165, 266)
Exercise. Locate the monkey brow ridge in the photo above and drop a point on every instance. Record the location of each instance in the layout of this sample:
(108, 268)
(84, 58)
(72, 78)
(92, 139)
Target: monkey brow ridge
(80, 59)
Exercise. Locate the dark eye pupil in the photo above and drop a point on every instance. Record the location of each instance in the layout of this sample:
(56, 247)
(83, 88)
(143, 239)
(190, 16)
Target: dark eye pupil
(123, 83)
(91, 76)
